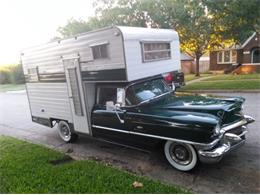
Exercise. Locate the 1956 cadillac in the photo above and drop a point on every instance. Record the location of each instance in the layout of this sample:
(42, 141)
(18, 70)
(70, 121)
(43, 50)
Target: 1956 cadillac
(117, 83)
(191, 128)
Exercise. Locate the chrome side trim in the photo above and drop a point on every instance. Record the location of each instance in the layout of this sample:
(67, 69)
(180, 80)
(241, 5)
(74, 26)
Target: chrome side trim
(208, 145)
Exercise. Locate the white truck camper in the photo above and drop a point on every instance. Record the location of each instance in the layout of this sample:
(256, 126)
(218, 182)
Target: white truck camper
(62, 76)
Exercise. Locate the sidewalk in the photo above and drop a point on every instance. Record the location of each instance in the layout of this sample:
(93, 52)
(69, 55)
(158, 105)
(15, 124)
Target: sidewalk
(198, 79)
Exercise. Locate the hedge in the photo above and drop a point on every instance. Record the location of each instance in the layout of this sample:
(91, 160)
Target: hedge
(11, 74)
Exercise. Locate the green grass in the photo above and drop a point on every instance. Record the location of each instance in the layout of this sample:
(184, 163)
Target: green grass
(26, 168)
(11, 87)
(224, 85)
(190, 77)
(233, 77)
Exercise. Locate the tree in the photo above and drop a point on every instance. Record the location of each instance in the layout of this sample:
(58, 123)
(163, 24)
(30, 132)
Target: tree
(108, 13)
(236, 19)
(78, 26)
(190, 19)
(201, 24)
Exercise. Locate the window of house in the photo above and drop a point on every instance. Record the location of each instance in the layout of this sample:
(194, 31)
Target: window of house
(227, 56)
(100, 51)
(156, 51)
(234, 56)
(255, 55)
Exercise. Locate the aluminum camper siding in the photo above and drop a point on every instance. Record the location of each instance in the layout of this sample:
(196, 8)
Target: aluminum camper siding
(48, 57)
(48, 94)
(49, 101)
(133, 38)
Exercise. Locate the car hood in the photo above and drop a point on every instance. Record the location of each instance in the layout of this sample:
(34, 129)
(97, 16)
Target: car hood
(194, 104)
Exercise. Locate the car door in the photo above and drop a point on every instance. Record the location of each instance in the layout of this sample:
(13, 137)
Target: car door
(108, 121)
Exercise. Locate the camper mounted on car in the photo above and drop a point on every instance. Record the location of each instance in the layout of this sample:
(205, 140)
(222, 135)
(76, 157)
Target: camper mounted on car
(118, 84)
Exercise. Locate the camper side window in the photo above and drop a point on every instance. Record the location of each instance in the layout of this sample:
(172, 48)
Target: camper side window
(100, 51)
(33, 74)
(152, 51)
(106, 94)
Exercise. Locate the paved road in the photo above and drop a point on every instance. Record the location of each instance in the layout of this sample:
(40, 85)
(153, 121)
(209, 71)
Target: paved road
(238, 172)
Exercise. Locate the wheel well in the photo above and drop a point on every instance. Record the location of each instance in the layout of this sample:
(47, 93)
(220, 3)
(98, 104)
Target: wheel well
(55, 121)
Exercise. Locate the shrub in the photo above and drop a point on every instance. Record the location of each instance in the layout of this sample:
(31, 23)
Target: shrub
(4, 75)
(11, 74)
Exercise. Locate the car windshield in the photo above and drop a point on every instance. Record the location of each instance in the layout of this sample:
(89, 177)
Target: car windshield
(145, 91)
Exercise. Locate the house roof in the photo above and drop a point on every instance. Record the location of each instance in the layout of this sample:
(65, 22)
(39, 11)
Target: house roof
(235, 46)
(249, 39)
(185, 57)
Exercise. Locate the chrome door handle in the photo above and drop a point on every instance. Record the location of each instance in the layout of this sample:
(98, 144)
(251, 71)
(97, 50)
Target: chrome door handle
(139, 127)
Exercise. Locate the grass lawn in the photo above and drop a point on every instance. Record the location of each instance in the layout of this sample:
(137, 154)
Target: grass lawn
(26, 168)
(233, 77)
(223, 85)
(11, 87)
(190, 77)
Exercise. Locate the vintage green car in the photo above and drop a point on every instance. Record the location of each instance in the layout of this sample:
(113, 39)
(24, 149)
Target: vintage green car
(191, 128)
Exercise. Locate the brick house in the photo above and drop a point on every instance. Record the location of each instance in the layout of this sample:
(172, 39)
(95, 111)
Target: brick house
(243, 58)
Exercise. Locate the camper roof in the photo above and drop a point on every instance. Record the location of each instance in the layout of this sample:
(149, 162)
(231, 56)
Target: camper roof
(129, 33)
(143, 33)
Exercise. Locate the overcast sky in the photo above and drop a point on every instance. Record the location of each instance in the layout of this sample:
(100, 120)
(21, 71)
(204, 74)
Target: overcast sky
(25, 23)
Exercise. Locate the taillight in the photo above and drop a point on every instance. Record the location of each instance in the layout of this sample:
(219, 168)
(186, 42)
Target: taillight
(168, 77)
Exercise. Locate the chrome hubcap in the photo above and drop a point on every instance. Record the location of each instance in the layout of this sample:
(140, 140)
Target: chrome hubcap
(181, 154)
(65, 132)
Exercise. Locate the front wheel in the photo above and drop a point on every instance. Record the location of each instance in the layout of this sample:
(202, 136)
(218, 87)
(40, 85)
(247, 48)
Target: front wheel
(180, 155)
(65, 132)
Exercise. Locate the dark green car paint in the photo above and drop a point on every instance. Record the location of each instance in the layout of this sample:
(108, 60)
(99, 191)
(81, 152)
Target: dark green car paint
(180, 116)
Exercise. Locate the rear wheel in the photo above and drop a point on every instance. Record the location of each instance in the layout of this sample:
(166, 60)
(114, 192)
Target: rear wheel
(180, 155)
(66, 133)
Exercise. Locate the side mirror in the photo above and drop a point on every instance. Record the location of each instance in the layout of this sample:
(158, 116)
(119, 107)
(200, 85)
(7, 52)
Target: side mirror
(120, 97)
(110, 105)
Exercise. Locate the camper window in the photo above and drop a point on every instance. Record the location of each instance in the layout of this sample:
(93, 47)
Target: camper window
(33, 74)
(100, 51)
(152, 51)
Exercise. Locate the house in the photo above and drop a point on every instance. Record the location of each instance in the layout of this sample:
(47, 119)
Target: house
(244, 58)
(188, 64)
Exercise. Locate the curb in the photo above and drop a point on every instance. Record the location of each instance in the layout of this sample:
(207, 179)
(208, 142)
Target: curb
(221, 91)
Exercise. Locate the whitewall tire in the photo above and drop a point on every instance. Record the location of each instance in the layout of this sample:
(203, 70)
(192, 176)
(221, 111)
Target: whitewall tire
(65, 132)
(180, 155)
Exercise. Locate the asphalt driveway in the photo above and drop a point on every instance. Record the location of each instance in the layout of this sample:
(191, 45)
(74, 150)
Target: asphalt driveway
(239, 172)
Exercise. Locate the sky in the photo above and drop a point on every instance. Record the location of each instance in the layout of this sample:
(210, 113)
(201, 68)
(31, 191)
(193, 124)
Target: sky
(25, 23)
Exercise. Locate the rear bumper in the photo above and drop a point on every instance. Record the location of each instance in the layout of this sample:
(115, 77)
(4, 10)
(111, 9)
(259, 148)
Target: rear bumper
(228, 142)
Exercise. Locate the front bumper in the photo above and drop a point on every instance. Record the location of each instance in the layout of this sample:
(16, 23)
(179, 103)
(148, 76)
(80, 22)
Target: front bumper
(228, 142)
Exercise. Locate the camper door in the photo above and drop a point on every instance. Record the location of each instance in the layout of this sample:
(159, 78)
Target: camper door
(76, 95)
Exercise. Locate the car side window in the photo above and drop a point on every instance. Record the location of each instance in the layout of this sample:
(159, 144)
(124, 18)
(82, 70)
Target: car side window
(106, 94)
(130, 97)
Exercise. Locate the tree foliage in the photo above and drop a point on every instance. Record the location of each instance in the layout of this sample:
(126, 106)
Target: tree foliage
(235, 19)
(201, 24)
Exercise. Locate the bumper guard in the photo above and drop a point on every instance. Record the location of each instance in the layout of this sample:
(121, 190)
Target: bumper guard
(229, 142)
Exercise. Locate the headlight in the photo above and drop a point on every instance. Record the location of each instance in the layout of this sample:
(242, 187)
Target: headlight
(217, 129)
